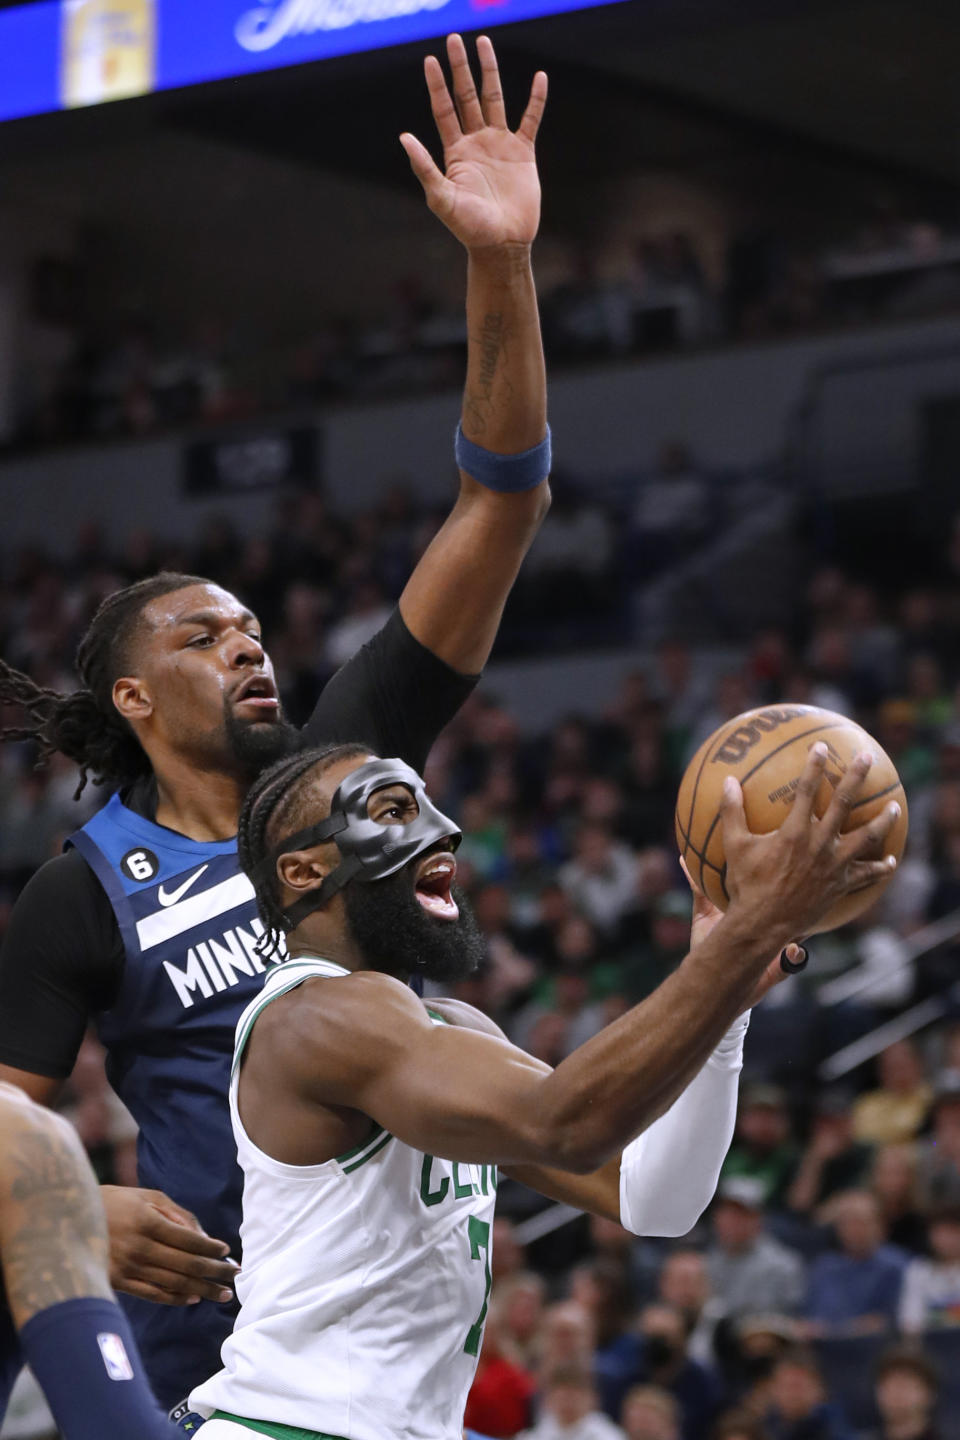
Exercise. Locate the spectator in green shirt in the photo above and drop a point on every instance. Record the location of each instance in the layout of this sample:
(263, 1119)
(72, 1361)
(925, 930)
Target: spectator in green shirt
(763, 1147)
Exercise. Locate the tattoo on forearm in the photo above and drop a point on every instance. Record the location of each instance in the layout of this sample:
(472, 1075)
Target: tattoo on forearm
(493, 349)
(55, 1244)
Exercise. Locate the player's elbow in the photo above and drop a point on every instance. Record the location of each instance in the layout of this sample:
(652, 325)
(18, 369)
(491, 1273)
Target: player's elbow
(566, 1147)
(650, 1217)
(669, 1227)
(536, 504)
(541, 499)
(519, 514)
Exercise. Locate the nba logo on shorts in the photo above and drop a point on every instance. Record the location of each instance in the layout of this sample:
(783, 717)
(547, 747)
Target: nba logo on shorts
(115, 1357)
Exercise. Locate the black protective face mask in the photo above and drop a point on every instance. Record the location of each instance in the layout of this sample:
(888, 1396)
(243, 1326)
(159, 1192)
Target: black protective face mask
(370, 849)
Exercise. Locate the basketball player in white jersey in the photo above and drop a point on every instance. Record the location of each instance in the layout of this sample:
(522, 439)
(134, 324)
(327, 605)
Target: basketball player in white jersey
(371, 1124)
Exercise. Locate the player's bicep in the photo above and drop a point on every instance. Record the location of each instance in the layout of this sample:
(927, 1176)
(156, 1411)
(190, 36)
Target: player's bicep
(50, 961)
(465, 1096)
(443, 1089)
(393, 695)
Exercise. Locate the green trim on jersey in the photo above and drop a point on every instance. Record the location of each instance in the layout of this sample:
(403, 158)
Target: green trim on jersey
(293, 977)
(369, 1155)
(375, 1134)
(374, 1138)
(295, 972)
(279, 1432)
(378, 1130)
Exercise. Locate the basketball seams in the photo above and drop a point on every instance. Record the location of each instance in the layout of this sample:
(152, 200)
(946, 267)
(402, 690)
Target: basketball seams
(834, 725)
(768, 800)
(877, 795)
(693, 799)
(804, 734)
(688, 844)
(706, 747)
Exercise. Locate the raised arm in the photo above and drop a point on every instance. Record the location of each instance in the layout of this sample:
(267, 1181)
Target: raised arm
(488, 196)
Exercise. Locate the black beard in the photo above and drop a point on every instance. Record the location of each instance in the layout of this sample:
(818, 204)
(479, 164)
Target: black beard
(395, 934)
(256, 744)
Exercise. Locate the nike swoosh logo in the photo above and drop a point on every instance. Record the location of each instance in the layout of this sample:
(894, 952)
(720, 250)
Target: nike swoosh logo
(181, 890)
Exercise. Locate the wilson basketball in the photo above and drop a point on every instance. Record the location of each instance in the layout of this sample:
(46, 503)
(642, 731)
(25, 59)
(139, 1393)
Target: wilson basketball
(767, 750)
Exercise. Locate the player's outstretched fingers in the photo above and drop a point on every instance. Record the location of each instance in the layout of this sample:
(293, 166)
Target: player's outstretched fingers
(536, 105)
(442, 107)
(837, 813)
(808, 786)
(423, 166)
(185, 1240)
(491, 92)
(861, 874)
(184, 1277)
(869, 838)
(464, 87)
(156, 1294)
(179, 1289)
(733, 820)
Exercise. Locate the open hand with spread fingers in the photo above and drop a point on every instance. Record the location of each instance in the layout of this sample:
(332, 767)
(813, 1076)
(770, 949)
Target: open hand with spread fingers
(489, 191)
(787, 881)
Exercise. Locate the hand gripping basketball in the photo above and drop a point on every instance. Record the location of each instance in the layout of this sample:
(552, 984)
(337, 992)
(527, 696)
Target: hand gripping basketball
(766, 749)
(788, 880)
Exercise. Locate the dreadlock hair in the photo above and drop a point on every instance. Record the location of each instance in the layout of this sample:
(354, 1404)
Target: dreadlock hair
(280, 802)
(86, 725)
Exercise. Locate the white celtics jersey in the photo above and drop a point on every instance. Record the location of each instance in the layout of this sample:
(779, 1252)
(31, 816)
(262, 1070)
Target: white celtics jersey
(364, 1283)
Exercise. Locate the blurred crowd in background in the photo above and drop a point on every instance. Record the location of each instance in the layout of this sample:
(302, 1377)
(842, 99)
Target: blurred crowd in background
(797, 1309)
(127, 374)
(819, 1297)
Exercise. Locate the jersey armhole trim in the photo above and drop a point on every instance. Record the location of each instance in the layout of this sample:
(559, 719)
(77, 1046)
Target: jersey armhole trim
(295, 973)
(384, 1139)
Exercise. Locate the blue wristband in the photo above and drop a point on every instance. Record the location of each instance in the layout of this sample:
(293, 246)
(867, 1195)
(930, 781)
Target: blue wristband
(507, 473)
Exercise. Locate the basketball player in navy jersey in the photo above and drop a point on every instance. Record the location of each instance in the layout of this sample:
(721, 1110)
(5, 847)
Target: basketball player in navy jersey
(146, 923)
(60, 1315)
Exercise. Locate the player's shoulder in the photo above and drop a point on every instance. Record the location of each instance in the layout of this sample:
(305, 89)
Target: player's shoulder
(467, 1017)
(62, 925)
(342, 1019)
(330, 1037)
(62, 881)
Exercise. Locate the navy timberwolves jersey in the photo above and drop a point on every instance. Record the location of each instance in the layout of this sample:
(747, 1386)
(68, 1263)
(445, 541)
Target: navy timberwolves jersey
(189, 924)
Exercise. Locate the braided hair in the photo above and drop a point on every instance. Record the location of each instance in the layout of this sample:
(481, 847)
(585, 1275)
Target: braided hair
(86, 725)
(280, 802)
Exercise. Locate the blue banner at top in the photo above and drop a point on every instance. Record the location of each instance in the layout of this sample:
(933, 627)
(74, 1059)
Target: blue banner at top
(59, 54)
